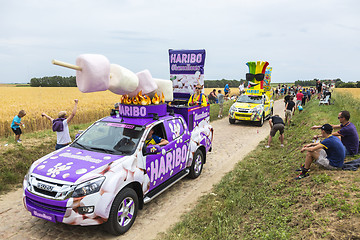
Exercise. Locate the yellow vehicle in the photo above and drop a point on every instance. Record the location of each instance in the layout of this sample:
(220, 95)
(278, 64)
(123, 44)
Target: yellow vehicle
(255, 108)
(257, 103)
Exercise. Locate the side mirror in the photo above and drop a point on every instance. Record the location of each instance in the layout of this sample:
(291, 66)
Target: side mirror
(153, 149)
(79, 133)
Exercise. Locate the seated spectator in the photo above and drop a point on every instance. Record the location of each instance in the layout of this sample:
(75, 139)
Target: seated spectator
(329, 153)
(348, 133)
(212, 96)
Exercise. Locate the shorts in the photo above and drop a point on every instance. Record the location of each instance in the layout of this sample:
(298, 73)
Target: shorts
(298, 102)
(288, 114)
(17, 131)
(277, 127)
(221, 107)
(323, 161)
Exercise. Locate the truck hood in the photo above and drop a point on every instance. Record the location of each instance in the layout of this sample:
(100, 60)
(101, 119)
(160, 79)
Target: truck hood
(245, 105)
(69, 164)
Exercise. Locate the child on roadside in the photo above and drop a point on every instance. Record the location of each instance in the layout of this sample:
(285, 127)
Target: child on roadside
(15, 125)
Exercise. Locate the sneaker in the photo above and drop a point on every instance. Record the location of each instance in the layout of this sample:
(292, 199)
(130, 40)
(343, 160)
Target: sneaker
(218, 116)
(302, 175)
(282, 145)
(18, 141)
(301, 168)
(267, 146)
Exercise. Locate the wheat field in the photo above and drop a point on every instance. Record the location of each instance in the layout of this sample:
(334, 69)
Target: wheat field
(355, 92)
(34, 101)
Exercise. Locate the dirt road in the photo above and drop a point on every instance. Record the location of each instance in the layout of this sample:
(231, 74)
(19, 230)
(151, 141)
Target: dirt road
(231, 144)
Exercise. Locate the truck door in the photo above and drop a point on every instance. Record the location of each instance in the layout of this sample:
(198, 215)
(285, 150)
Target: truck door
(171, 159)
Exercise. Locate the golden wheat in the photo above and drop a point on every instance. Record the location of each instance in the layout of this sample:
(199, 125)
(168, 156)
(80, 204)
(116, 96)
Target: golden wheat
(34, 101)
(355, 92)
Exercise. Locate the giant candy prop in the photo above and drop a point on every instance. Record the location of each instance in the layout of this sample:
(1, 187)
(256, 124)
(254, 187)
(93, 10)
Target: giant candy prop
(92, 72)
(122, 80)
(95, 73)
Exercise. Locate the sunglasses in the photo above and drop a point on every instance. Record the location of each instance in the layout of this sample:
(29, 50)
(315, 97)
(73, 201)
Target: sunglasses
(340, 117)
(258, 77)
(197, 88)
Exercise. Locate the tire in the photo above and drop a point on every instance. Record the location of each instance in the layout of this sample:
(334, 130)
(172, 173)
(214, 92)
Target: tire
(261, 122)
(231, 121)
(125, 204)
(197, 164)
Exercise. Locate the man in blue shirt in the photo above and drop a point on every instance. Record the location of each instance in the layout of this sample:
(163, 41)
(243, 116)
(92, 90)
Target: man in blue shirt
(348, 133)
(329, 153)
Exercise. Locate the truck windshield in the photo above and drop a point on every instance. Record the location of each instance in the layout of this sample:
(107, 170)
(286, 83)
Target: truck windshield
(109, 137)
(249, 99)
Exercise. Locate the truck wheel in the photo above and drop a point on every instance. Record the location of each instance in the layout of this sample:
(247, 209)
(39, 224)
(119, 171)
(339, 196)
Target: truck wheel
(261, 122)
(197, 164)
(123, 212)
(231, 121)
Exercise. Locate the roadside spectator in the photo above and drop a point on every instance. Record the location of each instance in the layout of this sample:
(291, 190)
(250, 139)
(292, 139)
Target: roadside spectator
(308, 94)
(15, 125)
(303, 100)
(319, 88)
(241, 89)
(61, 126)
(348, 133)
(227, 90)
(221, 103)
(329, 153)
(198, 98)
(299, 97)
(289, 110)
(276, 124)
(212, 96)
(300, 109)
(287, 98)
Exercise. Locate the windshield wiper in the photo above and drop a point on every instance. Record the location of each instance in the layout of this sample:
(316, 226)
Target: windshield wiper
(102, 150)
(82, 146)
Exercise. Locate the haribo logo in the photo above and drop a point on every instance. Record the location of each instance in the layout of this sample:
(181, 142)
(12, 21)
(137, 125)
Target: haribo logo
(54, 171)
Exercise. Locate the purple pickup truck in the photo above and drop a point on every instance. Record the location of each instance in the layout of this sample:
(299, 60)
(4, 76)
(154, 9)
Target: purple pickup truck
(109, 172)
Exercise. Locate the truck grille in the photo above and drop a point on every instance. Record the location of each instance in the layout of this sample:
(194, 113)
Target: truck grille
(52, 190)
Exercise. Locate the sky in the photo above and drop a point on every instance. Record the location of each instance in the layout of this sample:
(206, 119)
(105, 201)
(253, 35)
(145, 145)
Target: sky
(301, 40)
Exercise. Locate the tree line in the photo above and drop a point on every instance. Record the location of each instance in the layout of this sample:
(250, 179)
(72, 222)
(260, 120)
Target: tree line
(58, 81)
(54, 81)
(338, 83)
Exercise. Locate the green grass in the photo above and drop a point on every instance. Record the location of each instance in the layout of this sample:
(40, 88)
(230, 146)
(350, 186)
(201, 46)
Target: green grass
(259, 199)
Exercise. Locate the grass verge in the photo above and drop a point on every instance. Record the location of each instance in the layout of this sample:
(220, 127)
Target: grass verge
(259, 199)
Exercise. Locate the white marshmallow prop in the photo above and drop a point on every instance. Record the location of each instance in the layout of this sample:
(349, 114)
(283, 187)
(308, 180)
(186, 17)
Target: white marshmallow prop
(165, 87)
(122, 80)
(92, 72)
(146, 84)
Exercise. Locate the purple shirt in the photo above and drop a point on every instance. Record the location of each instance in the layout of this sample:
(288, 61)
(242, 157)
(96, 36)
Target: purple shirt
(350, 138)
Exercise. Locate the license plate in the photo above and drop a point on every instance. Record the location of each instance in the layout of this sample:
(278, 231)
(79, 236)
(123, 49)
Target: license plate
(43, 215)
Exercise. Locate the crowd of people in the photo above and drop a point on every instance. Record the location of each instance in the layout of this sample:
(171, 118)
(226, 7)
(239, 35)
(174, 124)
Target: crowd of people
(328, 149)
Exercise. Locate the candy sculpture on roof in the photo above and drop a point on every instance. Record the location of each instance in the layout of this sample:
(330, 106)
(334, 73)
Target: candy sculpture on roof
(256, 75)
(94, 73)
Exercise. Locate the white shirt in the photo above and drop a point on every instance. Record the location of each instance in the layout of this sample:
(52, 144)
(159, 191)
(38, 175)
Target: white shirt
(64, 136)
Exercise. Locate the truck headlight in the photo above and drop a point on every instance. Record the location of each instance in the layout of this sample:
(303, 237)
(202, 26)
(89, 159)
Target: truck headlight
(88, 187)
